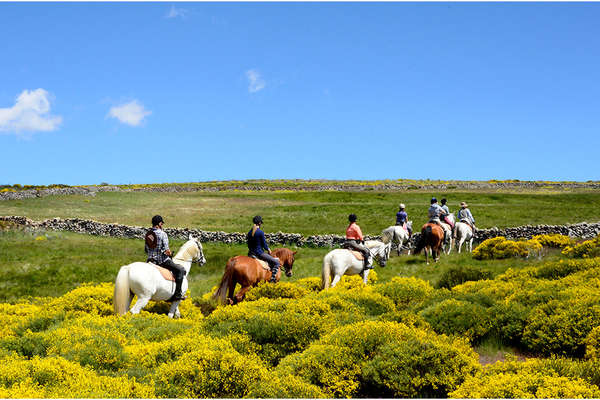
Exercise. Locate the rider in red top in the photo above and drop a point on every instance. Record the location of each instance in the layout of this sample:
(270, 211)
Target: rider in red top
(355, 240)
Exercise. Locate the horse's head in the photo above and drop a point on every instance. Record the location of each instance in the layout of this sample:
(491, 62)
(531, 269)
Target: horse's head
(199, 255)
(287, 258)
(379, 250)
(409, 225)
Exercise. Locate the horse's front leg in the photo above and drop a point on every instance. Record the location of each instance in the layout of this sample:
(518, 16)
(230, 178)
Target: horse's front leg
(174, 310)
(139, 304)
(471, 245)
(366, 276)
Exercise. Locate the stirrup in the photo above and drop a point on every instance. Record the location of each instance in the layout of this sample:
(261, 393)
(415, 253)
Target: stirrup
(177, 297)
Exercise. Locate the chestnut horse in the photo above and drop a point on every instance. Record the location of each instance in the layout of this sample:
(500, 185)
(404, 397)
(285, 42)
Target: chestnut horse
(432, 239)
(248, 272)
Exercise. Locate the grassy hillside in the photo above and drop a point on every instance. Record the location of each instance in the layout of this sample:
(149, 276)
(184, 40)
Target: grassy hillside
(306, 212)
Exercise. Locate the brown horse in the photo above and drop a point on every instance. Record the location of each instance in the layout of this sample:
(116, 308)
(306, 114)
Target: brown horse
(432, 239)
(248, 272)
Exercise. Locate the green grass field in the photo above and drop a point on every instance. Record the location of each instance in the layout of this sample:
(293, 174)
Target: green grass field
(307, 212)
(52, 263)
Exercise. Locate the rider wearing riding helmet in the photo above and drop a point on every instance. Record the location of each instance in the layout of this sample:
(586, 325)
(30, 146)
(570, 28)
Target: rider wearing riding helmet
(258, 248)
(355, 240)
(157, 248)
(436, 212)
(447, 213)
(402, 219)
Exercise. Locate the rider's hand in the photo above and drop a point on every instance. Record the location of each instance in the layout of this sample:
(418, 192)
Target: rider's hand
(168, 252)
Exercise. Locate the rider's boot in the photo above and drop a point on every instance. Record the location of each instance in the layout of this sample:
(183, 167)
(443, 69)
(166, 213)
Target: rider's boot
(274, 270)
(368, 262)
(178, 295)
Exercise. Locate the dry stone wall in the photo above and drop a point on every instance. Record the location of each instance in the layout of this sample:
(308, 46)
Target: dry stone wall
(582, 230)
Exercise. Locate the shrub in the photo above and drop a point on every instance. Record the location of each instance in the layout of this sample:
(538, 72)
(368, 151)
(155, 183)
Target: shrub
(283, 290)
(562, 268)
(529, 379)
(589, 248)
(210, 372)
(279, 326)
(562, 326)
(88, 298)
(383, 359)
(405, 291)
(54, 377)
(280, 386)
(459, 274)
(554, 240)
(458, 317)
(500, 248)
(592, 344)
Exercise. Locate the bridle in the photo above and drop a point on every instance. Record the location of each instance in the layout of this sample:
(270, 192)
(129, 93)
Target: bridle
(199, 256)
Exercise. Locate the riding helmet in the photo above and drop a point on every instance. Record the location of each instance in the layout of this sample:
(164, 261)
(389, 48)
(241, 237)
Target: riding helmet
(157, 219)
(433, 200)
(402, 206)
(257, 220)
(444, 200)
(352, 217)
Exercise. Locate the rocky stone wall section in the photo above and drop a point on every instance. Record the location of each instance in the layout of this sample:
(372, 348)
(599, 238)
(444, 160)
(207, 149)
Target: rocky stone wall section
(582, 230)
(298, 186)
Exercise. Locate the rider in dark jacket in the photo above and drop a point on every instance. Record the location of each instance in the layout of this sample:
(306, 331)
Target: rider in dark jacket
(258, 248)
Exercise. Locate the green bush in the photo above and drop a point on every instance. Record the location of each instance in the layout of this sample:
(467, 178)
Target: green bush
(280, 326)
(383, 359)
(283, 290)
(405, 292)
(459, 274)
(562, 326)
(209, 372)
(529, 379)
(455, 317)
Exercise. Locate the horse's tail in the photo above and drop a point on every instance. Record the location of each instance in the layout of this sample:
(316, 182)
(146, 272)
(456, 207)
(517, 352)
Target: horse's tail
(221, 292)
(122, 292)
(326, 272)
(423, 239)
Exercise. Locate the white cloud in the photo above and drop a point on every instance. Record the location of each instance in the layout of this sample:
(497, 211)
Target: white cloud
(255, 81)
(132, 113)
(31, 113)
(176, 12)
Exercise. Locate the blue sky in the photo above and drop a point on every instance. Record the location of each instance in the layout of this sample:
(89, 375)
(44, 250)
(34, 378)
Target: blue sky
(185, 92)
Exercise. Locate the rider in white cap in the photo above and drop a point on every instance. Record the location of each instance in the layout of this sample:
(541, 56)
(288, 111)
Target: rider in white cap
(402, 219)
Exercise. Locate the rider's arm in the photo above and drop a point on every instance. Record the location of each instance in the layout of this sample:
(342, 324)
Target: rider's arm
(263, 242)
(166, 249)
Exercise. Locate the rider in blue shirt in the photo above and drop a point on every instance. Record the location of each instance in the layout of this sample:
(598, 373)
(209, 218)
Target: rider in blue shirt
(402, 219)
(258, 248)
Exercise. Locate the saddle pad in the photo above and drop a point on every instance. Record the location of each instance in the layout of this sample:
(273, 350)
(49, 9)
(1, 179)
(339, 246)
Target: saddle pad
(264, 264)
(357, 254)
(168, 275)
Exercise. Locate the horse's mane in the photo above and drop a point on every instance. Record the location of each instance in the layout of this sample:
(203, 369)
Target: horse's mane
(184, 250)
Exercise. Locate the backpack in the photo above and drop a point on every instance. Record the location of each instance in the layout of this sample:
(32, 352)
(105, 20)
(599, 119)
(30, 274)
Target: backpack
(151, 239)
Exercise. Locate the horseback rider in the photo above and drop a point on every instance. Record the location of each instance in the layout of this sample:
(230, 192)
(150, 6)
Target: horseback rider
(402, 219)
(355, 241)
(436, 213)
(157, 248)
(464, 215)
(447, 211)
(257, 246)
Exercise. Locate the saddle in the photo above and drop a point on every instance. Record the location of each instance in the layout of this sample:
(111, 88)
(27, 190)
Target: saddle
(262, 263)
(468, 224)
(166, 274)
(357, 254)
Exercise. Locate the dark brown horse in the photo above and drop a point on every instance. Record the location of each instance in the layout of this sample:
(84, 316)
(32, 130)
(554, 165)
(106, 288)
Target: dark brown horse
(248, 272)
(432, 239)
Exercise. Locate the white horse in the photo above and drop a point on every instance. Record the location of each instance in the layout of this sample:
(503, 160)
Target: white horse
(145, 281)
(398, 235)
(447, 246)
(464, 233)
(340, 262)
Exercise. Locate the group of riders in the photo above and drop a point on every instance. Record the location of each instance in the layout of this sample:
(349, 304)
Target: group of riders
(157, 242)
